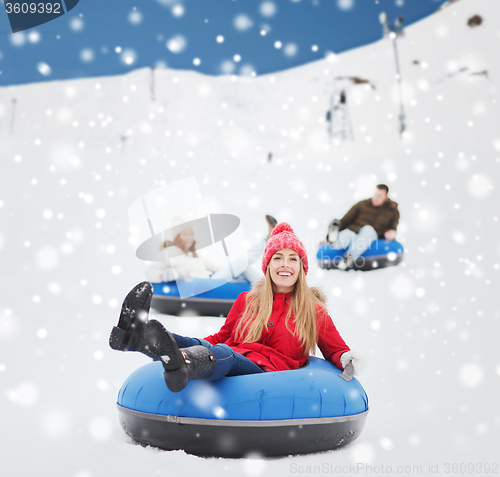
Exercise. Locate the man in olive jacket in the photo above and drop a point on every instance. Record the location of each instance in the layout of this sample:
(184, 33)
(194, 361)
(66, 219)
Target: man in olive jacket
(366, 221)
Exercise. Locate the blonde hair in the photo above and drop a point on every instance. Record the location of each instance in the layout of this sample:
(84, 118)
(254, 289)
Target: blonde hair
(305, 301)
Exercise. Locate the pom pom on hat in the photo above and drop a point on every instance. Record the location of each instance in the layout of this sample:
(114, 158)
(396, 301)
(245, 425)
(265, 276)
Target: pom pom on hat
(283, 227)
(283, 236)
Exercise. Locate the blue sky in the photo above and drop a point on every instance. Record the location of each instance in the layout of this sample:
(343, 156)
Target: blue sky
(109, 37)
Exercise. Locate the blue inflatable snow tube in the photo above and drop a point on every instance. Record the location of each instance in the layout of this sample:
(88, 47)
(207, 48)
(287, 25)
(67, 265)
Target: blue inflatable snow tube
(381, 254)
(277, 413)
(205, 296)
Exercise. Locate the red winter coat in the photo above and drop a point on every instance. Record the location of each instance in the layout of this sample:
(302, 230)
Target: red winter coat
(278, 348)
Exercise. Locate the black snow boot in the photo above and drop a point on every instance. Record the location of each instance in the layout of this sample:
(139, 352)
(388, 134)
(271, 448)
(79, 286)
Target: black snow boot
(346, 263)
(333, 232)
(128, 335)
(180, 365)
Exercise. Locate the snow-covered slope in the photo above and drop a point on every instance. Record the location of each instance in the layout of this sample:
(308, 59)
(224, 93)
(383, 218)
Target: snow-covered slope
(74, 155)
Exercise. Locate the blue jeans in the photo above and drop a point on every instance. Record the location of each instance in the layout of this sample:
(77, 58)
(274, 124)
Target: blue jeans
(356, 243)
(227, 361)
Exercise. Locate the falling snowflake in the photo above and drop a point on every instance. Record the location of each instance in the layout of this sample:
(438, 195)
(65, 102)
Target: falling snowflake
(178, 11)
(34, 36)
(362, 452)
(76, 24)
(55, 422)
(177, 44)
(135, 17)
(242, 22)
(479, 186)
(87, 55)
(18, 39)
(402, 287)
(128, 57)
(44, 69)
(100, 428)
(345, 4)
(47, 258)
(471, 375)
(290, 50)
(24, 394)
(268, 9)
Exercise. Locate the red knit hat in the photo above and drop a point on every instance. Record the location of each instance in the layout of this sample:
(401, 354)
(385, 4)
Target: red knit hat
(282, 237)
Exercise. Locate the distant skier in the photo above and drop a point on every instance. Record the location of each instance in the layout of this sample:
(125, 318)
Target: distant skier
(366, 221)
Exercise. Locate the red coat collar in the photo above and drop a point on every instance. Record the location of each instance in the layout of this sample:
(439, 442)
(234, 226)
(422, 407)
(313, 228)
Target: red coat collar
(281, 296)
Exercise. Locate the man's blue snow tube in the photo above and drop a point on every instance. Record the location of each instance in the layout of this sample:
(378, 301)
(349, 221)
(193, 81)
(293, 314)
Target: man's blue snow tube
(382, 253)
(299, 411)
(205, 296)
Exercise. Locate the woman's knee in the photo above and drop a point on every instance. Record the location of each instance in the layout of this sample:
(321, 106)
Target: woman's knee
(222, 352)
(205, 343)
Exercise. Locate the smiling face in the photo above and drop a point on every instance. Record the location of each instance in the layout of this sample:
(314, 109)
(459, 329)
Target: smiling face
(187, 237)
(379, 198)
(284, 268)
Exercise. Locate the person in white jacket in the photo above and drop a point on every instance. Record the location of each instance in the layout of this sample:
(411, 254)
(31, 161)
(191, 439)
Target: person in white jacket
(190, 264)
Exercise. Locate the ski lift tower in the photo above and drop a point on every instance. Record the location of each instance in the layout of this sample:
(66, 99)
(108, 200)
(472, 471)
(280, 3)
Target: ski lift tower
(339, 123)
(393, 33)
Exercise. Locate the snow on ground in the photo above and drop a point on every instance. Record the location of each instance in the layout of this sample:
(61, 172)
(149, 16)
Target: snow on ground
(76, 154)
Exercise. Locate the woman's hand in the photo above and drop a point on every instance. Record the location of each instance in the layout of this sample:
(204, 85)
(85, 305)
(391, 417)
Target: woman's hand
(358, 361)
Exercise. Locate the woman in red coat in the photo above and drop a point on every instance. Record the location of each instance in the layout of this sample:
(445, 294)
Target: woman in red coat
(273, 327)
